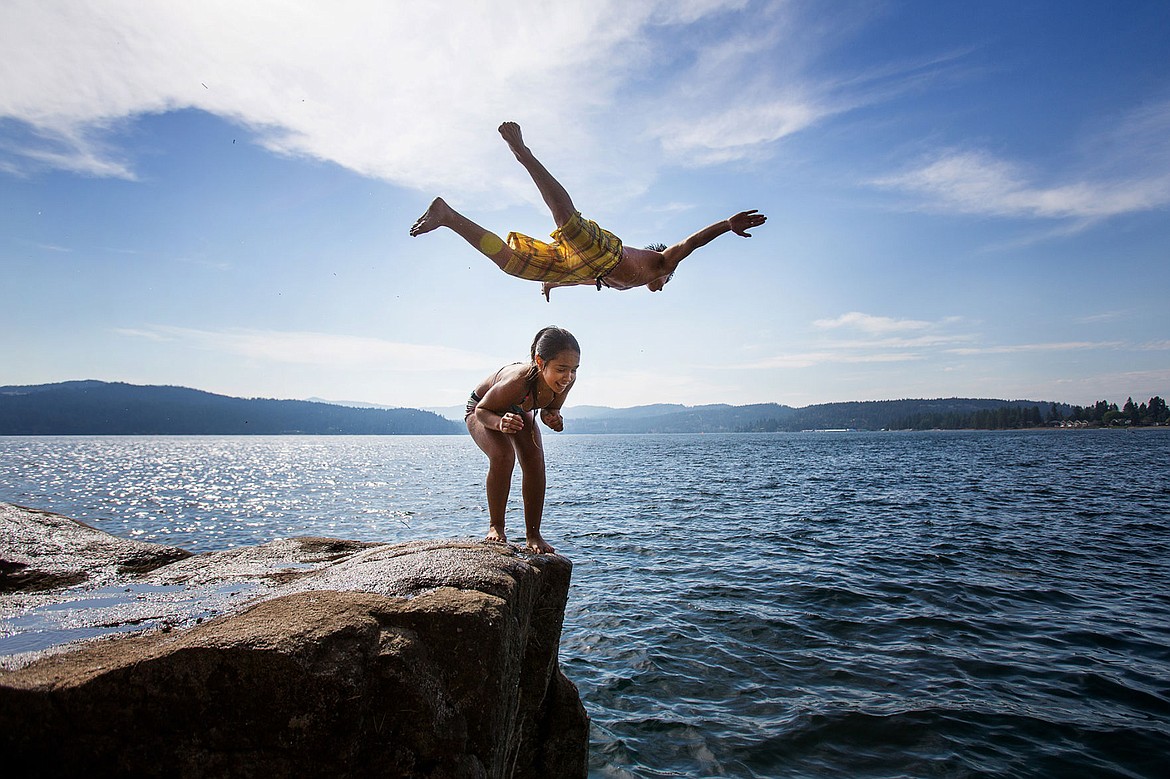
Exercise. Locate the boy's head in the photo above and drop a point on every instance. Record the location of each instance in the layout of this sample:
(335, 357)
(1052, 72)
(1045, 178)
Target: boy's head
(660, 282)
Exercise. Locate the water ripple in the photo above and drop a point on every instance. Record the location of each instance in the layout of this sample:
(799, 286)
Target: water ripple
(862, 605)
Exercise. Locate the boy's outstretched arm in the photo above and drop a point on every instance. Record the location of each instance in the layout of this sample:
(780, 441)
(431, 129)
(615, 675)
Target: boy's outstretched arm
(738, 223)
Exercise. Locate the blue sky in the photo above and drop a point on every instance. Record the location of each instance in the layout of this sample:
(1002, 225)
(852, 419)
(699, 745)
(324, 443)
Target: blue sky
(964, 199)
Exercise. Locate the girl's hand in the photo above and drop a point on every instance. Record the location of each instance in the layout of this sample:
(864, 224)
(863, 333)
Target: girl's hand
(553, 419)
(511, 423)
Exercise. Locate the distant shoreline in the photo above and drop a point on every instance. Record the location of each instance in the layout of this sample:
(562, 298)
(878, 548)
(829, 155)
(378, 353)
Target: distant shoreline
(569, 432)
(105, 408)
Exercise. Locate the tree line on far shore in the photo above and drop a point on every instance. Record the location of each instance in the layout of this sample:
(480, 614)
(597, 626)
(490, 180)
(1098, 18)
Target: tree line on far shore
(1137, 415)
(1015, 417)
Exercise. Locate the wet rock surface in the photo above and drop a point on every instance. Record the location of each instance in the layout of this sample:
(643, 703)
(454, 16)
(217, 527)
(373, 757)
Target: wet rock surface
(43, 551)
(299, 657)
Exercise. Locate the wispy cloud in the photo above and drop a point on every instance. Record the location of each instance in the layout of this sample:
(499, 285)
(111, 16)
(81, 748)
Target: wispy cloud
(76, 149)
(51, 247)
(412, 92)
(872, 324)
(978, 183)
(857, 337)
(318, 349)
(737, 131)
(1063, 346)
(1104, 316)
(880, 339)
(828, 357)
(1125, 170)
(734, 99)
(402, 91)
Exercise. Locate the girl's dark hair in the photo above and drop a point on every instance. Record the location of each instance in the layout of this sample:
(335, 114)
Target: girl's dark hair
(551, 341)
(548, 343)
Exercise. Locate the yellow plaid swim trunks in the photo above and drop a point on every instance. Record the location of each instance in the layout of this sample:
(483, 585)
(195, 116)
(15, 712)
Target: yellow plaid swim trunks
(581, 251)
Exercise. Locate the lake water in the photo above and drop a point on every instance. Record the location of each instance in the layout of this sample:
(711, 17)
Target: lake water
(790, 605)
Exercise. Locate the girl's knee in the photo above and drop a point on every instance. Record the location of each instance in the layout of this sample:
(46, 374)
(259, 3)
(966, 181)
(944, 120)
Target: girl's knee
(503, 460)
(532, 464)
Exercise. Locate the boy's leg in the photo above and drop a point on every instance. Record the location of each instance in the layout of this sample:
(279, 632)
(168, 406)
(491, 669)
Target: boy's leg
(555, 196)
(486, 242)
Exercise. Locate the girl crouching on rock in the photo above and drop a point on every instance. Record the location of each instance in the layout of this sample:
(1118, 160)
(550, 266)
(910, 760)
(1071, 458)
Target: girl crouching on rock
(501, 419)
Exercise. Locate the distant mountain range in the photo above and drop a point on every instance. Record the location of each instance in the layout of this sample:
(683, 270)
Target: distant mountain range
(771, 417)
(104, 408)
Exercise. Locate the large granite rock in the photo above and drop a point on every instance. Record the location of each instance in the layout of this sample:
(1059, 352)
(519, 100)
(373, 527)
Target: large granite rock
(304, 657)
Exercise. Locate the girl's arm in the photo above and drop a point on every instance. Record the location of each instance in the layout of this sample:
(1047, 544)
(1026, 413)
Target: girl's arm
(503, 395)
(552, 419)
(551, 416)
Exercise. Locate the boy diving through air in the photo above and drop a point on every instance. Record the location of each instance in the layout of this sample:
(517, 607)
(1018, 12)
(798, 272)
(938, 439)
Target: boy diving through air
(581, 251)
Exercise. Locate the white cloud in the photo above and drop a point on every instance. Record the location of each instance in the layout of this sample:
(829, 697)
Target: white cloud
(891, 340)
(872, 324)
(1065, 346)
(734, 98)
(50, 247)
(1125, 170)
(689, 11)
(404, 91)
(828, 357)
(1104, 316)
(412, 92)
(977, 183)
(78, 150)
(737, 131)
(879, 339)
(325, 350)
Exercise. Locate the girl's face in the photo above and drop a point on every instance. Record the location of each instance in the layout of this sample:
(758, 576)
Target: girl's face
(560, 372)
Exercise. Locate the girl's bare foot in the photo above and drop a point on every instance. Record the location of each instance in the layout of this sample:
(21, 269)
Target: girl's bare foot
(496, 535)
(435, 217)
(539, 546)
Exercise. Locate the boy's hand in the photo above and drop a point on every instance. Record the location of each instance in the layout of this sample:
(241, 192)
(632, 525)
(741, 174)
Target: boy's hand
(744, 221)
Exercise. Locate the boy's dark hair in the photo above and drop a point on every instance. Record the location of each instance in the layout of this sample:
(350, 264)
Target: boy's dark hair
(656, 247)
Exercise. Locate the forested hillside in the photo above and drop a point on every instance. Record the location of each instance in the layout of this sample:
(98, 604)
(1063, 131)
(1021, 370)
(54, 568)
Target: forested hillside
(101, 408)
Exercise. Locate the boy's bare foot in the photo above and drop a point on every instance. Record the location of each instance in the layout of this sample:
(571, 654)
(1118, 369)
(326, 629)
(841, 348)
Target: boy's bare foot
(511, 134)
(538, 545)
(435, 217)
(496, 535)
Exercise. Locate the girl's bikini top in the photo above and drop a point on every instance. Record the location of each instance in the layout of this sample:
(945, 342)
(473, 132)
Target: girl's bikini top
(529, 392)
